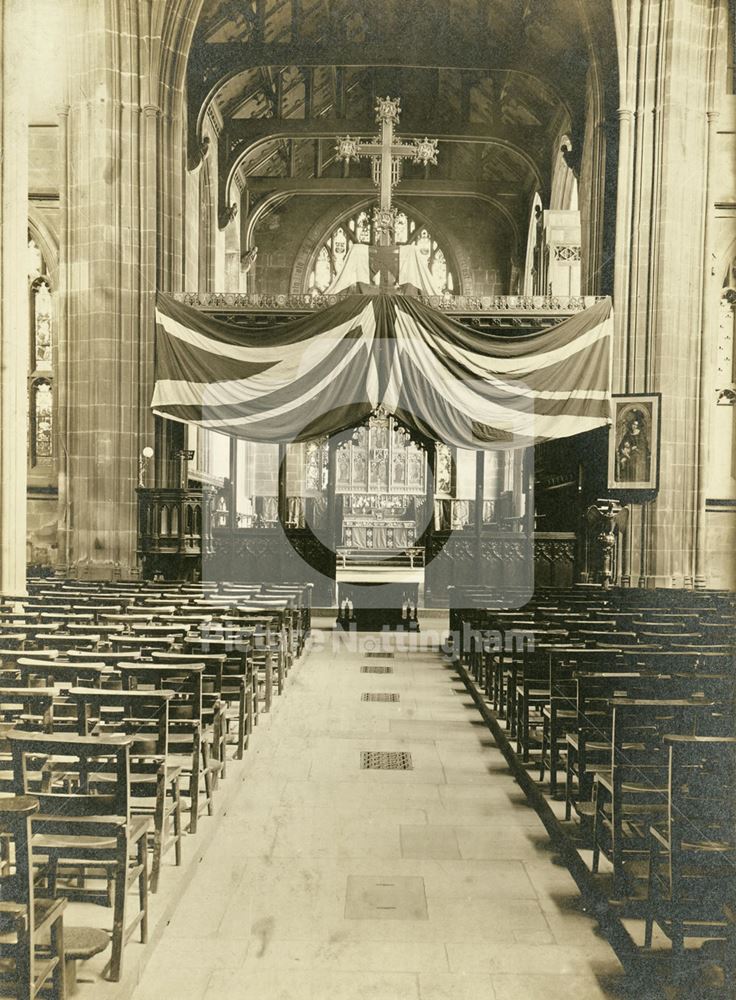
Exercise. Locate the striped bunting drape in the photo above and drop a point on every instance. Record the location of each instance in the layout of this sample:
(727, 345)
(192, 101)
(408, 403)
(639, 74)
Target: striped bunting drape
(328, 371)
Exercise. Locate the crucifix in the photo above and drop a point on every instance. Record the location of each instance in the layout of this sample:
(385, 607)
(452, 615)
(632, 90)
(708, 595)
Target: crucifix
(386, 152)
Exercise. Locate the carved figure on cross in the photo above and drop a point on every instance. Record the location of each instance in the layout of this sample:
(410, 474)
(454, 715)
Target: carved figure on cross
(386, 152)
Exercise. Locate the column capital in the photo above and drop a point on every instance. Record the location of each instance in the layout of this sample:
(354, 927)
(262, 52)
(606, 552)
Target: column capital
(625, 114)
(151, 110)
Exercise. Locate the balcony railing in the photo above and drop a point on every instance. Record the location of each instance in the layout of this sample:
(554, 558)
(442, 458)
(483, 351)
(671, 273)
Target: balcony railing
(521, 304)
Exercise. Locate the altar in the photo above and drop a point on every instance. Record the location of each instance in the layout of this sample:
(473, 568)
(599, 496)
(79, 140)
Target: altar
(378, 533)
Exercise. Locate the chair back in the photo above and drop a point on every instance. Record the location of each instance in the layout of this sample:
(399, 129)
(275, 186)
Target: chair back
(48, 765)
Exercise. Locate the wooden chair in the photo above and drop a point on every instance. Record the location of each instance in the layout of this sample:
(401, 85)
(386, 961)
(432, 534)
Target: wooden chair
(26, 966)
(66, 641)
(530, 695)
(100, 656)
(590, 739)
(238, 691)
(142, 644)
(154, 782)
(634, 794)
(56, 672)
(173, 632)
(560, 713)
(189, 746)
(692, 854)
(267, 639)
(29, 707)
(12, 640)
(83, 829)
(238, 642)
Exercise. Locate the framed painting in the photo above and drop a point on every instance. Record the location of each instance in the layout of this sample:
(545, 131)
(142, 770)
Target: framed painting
(633, 444)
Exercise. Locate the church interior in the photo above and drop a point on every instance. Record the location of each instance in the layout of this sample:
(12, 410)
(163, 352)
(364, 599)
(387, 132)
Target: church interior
(368, 499)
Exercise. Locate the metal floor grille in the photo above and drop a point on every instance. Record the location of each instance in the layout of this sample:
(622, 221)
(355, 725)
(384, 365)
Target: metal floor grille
(383, 656)
(386, 760)
(371, 668)
(379, 696)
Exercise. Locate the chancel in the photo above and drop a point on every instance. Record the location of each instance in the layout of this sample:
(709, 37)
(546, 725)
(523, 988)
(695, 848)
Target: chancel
(367, 499)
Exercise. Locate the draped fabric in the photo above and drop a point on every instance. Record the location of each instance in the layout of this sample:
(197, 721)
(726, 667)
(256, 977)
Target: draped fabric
(329, 371)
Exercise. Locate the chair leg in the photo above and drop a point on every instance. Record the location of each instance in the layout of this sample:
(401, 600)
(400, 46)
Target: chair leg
(24, 964)
(249, 712)
(553, 761)
(208, 783)
(269, 682)
(544, 749)
(119, 909)
(525, 732)
(679, 965)
(222, 742)
(143, 888)
(651, 890)
(254, 695)
(242, 722)
(194, 790)
(216, 748)
(159, 831)
(568, 785)
(176, 798)
(52, 877)
(596, 825)
(280, 673)
(57, 950)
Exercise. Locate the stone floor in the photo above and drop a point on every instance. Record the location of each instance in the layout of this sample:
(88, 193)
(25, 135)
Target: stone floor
(327, 880)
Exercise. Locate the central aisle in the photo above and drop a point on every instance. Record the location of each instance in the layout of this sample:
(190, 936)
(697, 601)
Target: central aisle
(326, 880)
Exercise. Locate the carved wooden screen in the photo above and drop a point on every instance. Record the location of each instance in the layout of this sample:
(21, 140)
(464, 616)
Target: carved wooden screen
(381, 458)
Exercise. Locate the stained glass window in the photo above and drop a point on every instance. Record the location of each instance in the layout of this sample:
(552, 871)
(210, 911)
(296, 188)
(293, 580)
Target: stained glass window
(42, 420)
(40, 359)
(358, 229)
(363, 228)
(401, 233)
(41, 325)
(322, 274)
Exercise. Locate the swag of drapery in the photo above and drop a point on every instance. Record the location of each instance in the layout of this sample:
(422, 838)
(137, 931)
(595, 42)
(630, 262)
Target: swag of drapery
(330, 370)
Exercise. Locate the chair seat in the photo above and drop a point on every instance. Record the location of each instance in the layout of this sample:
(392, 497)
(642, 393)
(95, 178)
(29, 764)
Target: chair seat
(81, 943)
(137, 827)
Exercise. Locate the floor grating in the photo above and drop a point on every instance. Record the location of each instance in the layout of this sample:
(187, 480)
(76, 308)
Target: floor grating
(379, 696)
(371, 668)
(386, 760)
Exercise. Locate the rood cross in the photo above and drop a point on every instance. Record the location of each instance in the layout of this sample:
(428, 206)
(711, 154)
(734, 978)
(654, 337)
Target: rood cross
(386, 153)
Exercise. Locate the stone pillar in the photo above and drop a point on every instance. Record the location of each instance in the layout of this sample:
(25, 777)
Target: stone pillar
(13, 301)
(103, 307)
(480, 459)
(122, 231)
(700, 578)
(666, 68)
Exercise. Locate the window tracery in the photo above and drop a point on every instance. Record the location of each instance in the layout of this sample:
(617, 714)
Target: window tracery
(41, 360)
(359, 228)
